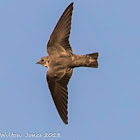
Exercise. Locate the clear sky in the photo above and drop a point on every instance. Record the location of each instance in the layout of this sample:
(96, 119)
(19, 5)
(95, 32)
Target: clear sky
(104, 103)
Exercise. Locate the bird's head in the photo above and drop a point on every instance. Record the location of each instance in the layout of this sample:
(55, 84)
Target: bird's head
(43, 61)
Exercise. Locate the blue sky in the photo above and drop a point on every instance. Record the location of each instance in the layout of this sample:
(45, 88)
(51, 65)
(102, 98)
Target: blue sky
(103, 103)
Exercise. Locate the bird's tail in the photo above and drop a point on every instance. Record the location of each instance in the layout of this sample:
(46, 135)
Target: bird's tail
(88, 60)
(91, 60)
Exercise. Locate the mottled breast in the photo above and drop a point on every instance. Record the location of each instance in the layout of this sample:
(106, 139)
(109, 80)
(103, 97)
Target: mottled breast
(60, 62)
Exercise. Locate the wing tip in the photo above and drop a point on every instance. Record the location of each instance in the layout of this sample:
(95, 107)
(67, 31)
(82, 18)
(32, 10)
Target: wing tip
(71, 4)
(66, 122)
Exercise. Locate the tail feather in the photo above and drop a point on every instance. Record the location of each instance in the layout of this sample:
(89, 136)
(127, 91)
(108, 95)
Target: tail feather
(93, 55)
(92, 60)
(88, 60)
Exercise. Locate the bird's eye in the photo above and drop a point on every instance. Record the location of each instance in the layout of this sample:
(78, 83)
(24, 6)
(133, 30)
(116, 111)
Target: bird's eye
(42, 60)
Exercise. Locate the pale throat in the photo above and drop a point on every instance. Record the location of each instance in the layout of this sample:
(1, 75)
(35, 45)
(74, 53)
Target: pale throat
(46, 64)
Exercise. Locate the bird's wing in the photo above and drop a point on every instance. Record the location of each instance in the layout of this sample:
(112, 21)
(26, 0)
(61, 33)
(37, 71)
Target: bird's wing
(57, 83)
(59, 39)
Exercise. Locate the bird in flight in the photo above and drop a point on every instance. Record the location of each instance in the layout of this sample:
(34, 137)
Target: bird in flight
(61, 60)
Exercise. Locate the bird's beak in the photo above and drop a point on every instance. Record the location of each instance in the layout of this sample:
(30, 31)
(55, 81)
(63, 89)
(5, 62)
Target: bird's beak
(37, 63)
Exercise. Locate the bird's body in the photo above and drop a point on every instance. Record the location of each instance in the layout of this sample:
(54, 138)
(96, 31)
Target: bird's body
(66, 61)
(61, 61)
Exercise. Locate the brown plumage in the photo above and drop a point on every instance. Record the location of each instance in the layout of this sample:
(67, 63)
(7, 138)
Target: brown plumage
(61, 62)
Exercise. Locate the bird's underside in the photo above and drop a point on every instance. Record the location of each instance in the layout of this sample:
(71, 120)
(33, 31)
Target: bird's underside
(61, 62)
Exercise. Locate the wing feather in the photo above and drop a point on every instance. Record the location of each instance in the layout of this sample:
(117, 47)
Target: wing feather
(59, 39)
(59, 92)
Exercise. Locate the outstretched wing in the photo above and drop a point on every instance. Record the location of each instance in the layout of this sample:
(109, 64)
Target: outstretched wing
(57, 83)
(59, 39)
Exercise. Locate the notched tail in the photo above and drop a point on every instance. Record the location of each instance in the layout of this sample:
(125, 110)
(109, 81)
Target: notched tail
(91, 60)
(88, 60)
